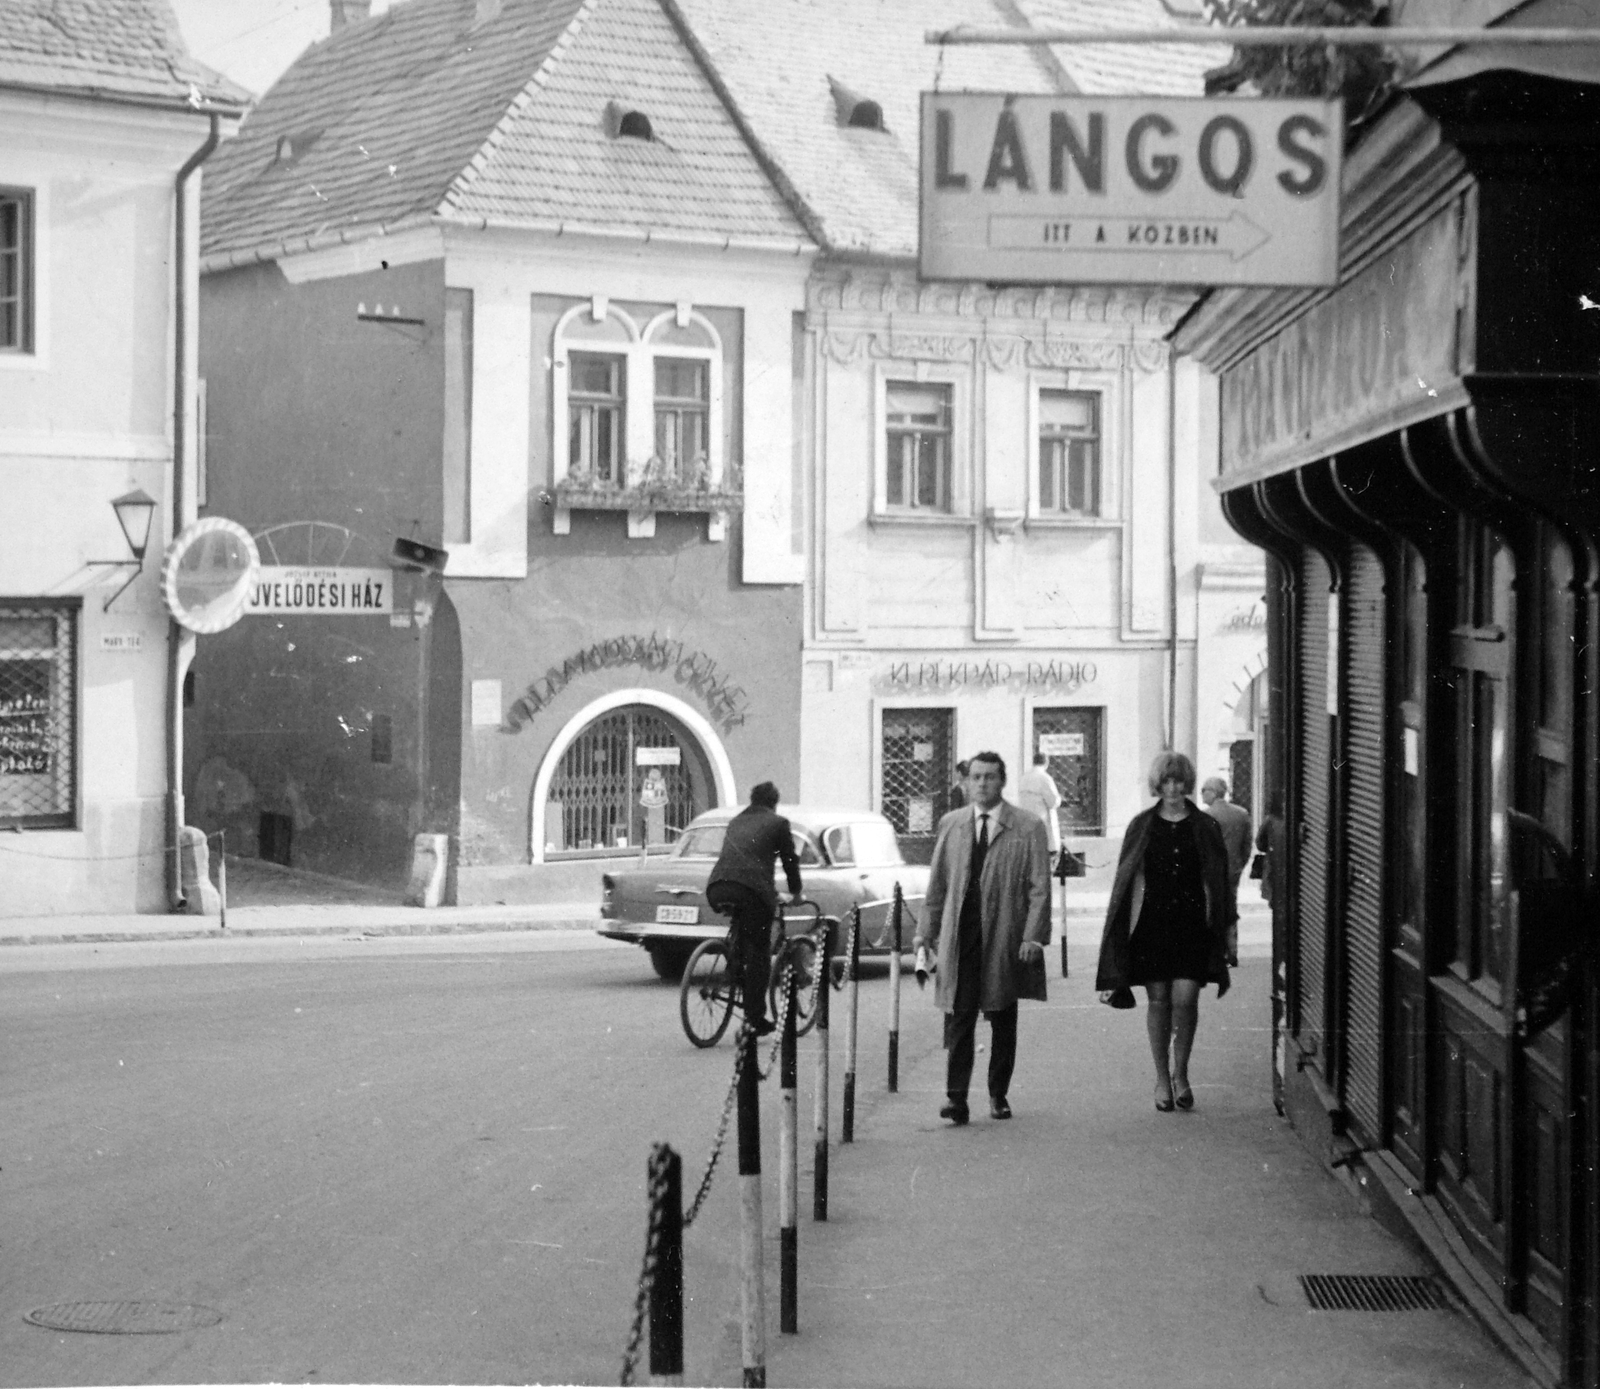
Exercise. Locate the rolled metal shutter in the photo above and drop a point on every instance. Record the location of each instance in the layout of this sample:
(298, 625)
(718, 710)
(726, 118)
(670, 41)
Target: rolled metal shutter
(1365, 682)
(1315, 758)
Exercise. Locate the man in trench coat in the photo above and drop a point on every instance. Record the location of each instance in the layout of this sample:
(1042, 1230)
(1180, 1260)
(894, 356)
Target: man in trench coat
(987, 909)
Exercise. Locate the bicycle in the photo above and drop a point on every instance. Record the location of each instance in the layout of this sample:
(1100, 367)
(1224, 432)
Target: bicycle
(709, 994)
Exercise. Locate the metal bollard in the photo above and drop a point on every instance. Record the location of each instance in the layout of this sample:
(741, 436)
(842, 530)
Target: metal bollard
(666, 1288)
(752, 1289)
(788, 1171)
(819, 1163)
(848, 1132)
(894, 994)
(222, 878)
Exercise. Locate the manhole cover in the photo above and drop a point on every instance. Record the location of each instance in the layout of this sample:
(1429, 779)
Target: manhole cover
(1372, 1292)
(124, 1318)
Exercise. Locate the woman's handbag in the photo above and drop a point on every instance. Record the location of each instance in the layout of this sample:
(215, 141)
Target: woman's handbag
(1120, 998)
(1258, 866)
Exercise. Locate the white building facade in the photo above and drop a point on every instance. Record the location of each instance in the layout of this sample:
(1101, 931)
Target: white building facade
(88, 343)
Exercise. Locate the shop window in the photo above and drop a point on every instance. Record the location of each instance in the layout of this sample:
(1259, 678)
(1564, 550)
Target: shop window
(1070, 737)
(683, 409)
(1483, 662)
(918, 426)
(458, 417)
(38, 715)
(918, 773)
(1069, 453)
(16, 270)
(598, 801)
(595, 423)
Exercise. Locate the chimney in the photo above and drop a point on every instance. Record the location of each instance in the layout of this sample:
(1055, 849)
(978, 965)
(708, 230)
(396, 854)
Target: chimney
(345, 12)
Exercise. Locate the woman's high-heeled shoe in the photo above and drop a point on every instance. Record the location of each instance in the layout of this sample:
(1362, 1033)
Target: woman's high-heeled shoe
(1164, 1106)
(1184, 1098)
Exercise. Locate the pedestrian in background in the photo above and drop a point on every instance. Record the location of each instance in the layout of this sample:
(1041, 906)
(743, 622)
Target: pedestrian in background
(956, 797)
(1167, 922)
(1236, 827)
(1037, 794)
(741, 886)
(1269, 843)
(987, 910)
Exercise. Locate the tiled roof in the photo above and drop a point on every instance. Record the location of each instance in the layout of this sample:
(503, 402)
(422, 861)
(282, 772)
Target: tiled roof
(859, 187)
(129, 49)
(378, 120)
(553, 160)
(414, 115)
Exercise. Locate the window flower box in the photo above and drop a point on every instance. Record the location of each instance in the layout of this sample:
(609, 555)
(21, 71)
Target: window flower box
(650, 489)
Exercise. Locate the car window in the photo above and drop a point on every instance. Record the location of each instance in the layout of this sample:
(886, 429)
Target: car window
(702, 841)
(837, 843)
(874, 844)
(806, 851)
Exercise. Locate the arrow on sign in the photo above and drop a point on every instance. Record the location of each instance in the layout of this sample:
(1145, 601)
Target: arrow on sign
(1235, 236)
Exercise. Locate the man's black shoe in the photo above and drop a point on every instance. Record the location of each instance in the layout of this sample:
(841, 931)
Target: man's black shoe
(954, 1112)
(763, 1027)
(998, 1108)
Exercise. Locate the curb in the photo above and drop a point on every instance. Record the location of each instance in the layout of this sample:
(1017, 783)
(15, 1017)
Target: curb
(394, 928)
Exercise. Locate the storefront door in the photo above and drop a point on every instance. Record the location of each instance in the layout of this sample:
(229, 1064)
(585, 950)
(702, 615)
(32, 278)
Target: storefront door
(917, 771)
(1070, 737)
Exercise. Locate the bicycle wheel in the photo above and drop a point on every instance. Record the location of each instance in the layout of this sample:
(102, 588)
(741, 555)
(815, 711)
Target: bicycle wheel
(705, 998)
(801, 951)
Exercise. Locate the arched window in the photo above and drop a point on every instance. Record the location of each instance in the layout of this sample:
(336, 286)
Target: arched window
(866, 115)
(635, 125)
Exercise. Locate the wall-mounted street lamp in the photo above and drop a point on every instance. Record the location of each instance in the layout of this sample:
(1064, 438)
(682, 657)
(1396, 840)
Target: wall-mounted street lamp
(134, 512)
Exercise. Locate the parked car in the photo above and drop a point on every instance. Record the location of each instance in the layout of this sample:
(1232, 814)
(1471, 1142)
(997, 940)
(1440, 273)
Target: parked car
(847, 858)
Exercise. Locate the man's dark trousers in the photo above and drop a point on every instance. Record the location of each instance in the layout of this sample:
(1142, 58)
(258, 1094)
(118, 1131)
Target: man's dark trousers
(961, 1023)
(752, 942)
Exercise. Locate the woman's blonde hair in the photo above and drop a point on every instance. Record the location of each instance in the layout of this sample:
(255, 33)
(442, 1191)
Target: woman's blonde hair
(1171, 764)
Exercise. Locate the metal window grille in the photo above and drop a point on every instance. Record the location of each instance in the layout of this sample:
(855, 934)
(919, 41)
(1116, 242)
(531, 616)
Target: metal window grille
(1069, 452)
(16, 270)
(595, 402)
(919, 446)
(38, 714)
(598, 783)
(918, 769)
(682, 415)
(1070, 738)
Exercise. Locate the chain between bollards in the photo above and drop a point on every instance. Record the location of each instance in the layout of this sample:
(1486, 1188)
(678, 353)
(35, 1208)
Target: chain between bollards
(894, 992)
(656, 1186)
(788, 1170)
(824, 1009)
(847, 1133)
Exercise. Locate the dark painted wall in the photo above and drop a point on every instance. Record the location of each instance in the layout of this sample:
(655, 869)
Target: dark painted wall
(316, 416)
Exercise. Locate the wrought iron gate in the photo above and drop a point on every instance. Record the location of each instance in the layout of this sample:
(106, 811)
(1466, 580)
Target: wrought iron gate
(594, 795)
(1070, 737)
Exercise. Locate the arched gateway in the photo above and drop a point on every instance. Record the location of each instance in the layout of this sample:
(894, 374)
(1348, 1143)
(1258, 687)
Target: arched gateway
(586, 797)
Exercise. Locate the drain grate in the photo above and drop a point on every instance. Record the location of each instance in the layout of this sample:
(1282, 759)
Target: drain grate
(1372, 1292)
(124, 1318)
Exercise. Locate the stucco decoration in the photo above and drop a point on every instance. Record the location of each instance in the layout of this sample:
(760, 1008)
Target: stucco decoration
(866, 292)
(695, 722)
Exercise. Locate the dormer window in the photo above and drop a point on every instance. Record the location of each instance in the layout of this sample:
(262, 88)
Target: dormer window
(623, 122)
(854, 111)
(292, 147)
(866, 115)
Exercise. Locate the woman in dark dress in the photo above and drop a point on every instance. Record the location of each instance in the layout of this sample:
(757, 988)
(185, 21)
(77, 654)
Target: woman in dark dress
(1167, 921)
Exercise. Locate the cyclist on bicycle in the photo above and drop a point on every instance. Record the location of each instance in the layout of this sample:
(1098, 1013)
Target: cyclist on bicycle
(742, 886)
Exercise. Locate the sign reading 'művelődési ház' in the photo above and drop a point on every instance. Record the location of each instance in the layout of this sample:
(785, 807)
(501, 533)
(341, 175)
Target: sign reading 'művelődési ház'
(322, 592)
(1130, 190)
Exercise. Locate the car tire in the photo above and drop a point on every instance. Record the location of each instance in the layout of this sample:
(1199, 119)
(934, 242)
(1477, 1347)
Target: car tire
(668, 961)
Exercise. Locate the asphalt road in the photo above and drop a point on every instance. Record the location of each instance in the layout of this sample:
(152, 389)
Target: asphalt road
(413, 1160)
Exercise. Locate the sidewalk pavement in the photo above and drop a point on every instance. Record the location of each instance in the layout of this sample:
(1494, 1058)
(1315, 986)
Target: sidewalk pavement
(1091, 1240)
(295, 917)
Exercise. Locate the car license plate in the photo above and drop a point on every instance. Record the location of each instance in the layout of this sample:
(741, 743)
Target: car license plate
(678, 916)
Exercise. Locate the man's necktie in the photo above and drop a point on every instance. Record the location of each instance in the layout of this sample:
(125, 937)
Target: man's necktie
(981, 851)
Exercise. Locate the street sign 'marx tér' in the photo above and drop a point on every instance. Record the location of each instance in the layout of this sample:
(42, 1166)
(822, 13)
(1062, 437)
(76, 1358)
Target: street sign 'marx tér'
(1130, 190)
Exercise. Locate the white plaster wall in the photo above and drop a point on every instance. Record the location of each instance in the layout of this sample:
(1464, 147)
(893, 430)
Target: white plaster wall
(83, 419)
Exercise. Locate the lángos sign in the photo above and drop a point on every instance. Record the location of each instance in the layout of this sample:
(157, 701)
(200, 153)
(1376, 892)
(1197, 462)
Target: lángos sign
(1130, 190)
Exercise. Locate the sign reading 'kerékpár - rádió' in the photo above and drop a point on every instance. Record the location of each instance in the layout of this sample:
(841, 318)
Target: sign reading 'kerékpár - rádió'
(1130, 190)
(322, 592)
